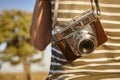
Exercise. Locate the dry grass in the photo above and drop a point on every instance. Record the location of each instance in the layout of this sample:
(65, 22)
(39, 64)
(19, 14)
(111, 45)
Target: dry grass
(38, 75)
(22, 76)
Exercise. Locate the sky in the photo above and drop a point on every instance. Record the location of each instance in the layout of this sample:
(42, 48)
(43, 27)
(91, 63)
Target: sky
(26, 5)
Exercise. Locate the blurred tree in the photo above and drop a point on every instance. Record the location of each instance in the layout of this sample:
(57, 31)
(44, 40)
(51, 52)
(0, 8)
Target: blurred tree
(14, 29)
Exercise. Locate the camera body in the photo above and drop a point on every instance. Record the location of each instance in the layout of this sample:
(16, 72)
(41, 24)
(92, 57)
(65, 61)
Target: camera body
(80, 36)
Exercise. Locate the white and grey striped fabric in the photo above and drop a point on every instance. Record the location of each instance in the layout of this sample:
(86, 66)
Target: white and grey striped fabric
(104, 62)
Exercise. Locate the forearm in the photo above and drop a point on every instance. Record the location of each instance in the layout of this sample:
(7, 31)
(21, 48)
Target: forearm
(41, 24)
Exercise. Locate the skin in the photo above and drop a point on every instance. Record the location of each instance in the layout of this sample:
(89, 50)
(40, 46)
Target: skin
(40, 29)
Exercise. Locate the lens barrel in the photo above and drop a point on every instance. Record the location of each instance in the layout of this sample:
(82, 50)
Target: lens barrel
(86, 46)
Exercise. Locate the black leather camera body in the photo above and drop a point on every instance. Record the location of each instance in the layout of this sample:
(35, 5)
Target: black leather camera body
(80, 36)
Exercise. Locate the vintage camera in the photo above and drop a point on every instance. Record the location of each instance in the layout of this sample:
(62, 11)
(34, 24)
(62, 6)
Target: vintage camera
(80, 36)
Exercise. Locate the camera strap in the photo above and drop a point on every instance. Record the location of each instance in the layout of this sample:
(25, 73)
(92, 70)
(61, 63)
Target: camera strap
(98, 12)
(55, 14)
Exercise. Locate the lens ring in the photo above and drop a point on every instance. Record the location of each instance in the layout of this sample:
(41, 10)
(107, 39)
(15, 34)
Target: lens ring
(86, 46)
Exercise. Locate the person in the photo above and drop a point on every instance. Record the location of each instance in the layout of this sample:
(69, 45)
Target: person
(102, 64)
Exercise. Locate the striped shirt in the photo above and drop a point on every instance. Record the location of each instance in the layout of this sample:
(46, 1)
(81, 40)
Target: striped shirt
(104, 62)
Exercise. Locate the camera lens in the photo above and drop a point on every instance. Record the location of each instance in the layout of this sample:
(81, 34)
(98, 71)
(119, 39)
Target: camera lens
(86, 46)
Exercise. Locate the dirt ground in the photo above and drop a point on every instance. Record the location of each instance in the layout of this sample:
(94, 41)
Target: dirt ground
(22, 76)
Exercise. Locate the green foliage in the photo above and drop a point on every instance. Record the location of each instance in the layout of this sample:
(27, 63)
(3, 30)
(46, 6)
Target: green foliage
(14, 29)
